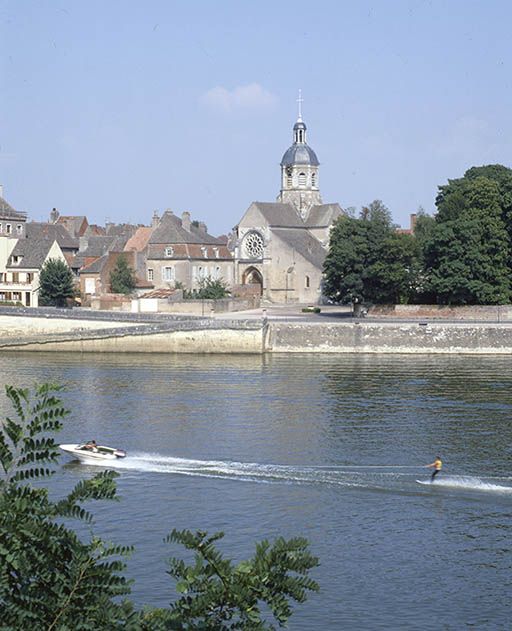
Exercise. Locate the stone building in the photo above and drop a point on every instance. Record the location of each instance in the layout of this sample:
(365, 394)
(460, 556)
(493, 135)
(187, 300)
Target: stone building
(181, 251)
(281, 246)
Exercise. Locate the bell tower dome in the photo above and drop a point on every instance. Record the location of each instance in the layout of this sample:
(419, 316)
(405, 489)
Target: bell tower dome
(299, 171)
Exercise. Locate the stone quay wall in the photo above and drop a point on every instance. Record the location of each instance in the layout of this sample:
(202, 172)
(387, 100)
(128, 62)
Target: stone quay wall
(392, 337)
(77, 333)
(496, 313)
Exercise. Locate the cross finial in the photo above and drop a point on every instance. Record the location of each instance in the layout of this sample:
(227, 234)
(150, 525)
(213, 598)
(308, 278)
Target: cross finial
(299, 101)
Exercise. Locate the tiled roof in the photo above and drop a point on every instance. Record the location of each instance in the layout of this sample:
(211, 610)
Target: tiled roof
(96, 266)
(97, 246)
(323, 215)
(280, 215)
(73, 223)
(170, 230)
(139, 240)
(188, 251)
(53, 231)
(8, 212)
(121, 230)
(33, 251)
(304, 244)
(159, 293)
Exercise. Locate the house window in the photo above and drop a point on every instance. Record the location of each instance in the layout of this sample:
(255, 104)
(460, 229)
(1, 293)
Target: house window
(169, 251)
(150, 274)
(302, 179)
(8, 228)
(19, 228)
(306, 282)
(168, 274)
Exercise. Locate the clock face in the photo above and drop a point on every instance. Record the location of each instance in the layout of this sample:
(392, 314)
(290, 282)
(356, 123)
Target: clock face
(253, 246)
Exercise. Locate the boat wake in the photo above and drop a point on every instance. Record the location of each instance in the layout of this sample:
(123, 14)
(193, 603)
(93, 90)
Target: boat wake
(372, 477)
(467, 483)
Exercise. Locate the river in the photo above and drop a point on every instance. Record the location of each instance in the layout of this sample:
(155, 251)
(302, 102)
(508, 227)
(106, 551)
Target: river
(329, 447)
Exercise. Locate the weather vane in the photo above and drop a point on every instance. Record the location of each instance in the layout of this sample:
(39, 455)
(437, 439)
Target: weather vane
(299, 101)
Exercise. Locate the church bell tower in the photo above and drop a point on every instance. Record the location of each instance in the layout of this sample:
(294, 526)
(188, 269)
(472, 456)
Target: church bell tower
(299, 171)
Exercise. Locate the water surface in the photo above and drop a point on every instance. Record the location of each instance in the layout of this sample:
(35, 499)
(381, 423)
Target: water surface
(328, 447)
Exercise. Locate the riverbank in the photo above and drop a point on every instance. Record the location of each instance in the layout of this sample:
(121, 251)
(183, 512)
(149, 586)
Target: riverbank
(285, 331)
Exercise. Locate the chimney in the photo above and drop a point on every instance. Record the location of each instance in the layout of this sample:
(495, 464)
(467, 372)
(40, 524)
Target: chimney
(185, 220)
(54, 215)
(1, 190)
(413, 222)
(202, 227)
(156, 219)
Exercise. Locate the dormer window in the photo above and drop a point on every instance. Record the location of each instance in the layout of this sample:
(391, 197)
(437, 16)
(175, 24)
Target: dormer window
(16, 259)
(1, 228)
(205, 252)
(19, 228)
(169, 251)
(216, 252)
(8, 228)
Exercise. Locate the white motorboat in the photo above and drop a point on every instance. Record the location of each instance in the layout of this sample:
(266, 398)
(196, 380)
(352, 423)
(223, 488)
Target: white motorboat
(93, 453)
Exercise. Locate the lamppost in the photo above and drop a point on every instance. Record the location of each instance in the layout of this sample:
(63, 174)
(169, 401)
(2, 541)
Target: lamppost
(288, 271)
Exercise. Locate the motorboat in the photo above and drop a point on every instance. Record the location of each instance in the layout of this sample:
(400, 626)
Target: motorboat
(85, 452)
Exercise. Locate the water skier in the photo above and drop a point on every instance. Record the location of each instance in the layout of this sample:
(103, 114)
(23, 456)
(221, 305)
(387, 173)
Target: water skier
(437, 465)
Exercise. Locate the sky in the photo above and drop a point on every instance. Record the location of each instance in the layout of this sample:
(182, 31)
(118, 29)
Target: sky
(114, 109)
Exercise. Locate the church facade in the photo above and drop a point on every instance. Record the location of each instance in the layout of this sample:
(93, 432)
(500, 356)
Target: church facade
(281, 246)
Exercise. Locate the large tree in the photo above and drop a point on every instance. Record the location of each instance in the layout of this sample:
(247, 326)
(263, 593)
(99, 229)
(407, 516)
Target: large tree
(368, 261)
(468, 251)
(56, 283)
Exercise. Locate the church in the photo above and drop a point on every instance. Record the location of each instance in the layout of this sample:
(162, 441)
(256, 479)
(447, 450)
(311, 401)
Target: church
(281, 246)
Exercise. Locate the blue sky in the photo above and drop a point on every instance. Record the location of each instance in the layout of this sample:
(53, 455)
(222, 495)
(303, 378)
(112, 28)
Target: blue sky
(115, 109)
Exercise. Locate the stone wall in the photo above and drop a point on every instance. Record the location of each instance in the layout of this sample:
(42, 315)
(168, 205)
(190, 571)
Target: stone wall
(367, 337)
(497, 313)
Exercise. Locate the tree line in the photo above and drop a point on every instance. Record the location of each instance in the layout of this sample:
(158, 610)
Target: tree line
(461, 256)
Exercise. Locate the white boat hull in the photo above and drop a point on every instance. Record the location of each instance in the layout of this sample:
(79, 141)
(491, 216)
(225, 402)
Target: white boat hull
(100, 454)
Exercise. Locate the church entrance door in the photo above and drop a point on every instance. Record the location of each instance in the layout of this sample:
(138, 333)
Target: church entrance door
(252, 276)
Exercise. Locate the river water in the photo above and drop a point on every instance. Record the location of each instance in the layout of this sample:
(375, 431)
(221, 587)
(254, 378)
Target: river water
(323, 446)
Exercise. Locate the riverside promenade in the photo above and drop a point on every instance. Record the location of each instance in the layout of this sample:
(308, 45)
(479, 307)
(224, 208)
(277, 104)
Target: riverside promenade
(274, 329)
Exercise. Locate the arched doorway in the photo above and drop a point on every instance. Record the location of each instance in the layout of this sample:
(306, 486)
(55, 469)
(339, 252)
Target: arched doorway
(252, 276)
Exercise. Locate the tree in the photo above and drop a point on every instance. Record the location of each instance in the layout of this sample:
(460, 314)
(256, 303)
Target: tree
(51, 579)
(468, 250)
(122, 277)
(209, 289)
(48, 577)
(368, 260)
(56, 283)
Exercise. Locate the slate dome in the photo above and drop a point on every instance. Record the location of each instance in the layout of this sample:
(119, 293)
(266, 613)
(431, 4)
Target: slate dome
(299, 154)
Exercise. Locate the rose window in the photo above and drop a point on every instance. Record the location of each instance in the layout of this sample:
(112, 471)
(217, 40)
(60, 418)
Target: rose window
(253, 246)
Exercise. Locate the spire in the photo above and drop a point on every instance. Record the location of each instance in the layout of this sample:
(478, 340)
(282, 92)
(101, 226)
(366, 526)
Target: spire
(299, 101)
(299, 129)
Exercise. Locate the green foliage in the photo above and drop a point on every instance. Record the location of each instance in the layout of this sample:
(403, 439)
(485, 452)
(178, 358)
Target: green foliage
(122, 277)
(56, 283)
(217, 594)
(51, 579)
(48, 578)
(209, 289)
(468, 251)
(368, 261)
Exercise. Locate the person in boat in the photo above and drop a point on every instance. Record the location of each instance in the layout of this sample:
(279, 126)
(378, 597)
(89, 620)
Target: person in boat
(437, 465)
(91, 445)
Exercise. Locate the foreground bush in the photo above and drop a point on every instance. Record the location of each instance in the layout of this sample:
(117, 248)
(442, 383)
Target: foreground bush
(51, 579)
